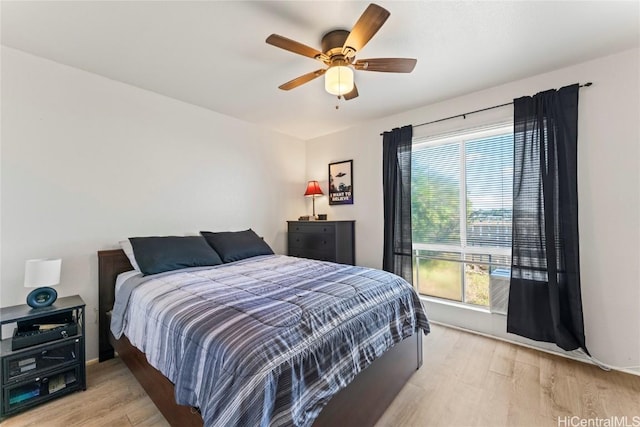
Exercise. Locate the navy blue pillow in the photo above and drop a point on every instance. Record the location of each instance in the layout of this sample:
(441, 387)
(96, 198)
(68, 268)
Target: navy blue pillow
(158, 254)
(237, 245)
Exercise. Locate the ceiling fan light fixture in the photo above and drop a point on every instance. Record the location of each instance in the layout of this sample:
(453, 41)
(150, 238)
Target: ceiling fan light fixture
(338, 80)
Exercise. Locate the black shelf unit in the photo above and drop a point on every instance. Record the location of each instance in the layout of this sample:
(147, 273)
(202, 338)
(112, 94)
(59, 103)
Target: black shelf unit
(38, 373)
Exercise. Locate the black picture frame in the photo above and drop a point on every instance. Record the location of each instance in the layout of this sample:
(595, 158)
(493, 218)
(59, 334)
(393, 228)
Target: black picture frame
(341, 183)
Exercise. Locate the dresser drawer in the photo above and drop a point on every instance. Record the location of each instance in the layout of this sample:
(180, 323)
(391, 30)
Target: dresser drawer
(313, 242)
(310, 254)
(312, 228)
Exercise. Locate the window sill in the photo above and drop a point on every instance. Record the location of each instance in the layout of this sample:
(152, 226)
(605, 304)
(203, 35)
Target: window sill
(455, 304)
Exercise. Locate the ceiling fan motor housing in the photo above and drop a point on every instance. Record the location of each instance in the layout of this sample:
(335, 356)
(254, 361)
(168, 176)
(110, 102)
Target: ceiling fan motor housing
(333, 41)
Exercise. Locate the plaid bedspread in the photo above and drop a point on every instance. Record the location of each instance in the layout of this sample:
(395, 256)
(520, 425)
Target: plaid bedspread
(267, 340)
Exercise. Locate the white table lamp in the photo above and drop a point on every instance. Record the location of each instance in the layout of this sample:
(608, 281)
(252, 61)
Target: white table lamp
(41, 274)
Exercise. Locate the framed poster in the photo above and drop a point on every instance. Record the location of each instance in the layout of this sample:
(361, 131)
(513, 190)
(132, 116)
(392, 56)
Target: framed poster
(341, 183)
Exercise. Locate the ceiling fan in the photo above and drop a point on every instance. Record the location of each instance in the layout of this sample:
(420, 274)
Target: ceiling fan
(339, 48)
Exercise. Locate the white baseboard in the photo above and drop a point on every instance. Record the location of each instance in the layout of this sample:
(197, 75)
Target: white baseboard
(566, 355)
(91, 361)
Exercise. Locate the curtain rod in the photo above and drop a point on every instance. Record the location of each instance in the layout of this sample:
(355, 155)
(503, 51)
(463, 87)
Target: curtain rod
(477, 111)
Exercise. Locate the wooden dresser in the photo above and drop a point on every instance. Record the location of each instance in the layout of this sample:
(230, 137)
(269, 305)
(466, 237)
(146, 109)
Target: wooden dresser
(323, 240)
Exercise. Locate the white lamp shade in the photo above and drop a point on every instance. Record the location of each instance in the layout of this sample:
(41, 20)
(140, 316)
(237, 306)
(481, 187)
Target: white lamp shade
(338, 80)
(42, 272)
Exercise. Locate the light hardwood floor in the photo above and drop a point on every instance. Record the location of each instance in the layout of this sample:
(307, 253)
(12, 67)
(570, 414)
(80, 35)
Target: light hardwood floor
(466, 380)
(471, 380)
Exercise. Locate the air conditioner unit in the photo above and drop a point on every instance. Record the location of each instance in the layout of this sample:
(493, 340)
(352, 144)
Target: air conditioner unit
(499, 290)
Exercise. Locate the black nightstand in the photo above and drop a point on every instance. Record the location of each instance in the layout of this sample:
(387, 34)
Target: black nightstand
(41, 372)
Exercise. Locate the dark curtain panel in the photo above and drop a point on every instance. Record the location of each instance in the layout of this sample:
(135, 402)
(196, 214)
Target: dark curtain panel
(396, 184)
(544, 301)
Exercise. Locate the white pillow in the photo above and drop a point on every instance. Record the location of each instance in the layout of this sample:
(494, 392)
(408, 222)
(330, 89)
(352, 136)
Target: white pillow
(122, 277)
(128, 251)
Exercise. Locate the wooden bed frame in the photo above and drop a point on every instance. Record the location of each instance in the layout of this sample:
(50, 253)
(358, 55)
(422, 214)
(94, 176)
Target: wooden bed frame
(361, 403)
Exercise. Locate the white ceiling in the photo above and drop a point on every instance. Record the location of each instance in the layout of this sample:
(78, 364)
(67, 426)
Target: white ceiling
(213, 53)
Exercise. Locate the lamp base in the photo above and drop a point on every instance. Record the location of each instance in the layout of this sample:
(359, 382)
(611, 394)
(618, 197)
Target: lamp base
(42, 297)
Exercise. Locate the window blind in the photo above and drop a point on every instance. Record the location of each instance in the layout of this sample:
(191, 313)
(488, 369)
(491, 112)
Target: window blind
(489, 187)
(462, 187)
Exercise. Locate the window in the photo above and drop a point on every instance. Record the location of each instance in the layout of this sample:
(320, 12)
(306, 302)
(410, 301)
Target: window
(461, 206)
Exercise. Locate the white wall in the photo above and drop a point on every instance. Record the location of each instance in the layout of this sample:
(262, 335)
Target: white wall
(608, 178)
(87, 161)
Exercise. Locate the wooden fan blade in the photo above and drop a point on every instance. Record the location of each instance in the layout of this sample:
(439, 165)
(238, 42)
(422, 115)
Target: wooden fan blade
(386, 65)
(298, 81)
(367, 26)
(352, 94)
(293, 46)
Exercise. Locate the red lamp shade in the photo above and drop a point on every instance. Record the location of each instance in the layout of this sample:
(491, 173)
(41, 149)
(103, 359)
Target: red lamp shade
(313, 189)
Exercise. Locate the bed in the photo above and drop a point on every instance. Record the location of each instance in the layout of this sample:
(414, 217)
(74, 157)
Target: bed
(361, 402)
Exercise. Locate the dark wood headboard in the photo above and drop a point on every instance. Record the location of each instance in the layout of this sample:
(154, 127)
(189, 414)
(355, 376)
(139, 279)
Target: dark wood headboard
(110, 264)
